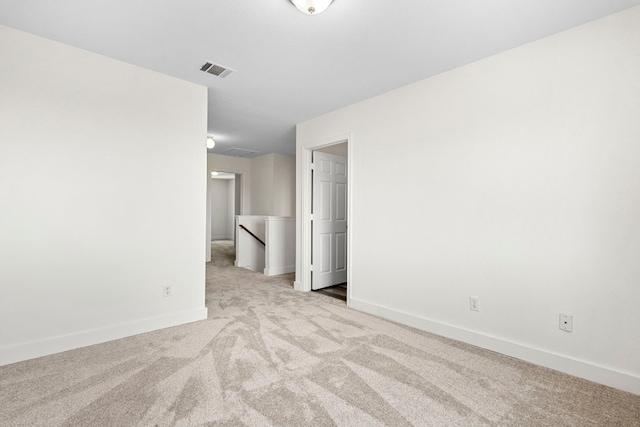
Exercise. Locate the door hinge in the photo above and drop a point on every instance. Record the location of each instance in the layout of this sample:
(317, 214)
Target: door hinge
(313, 166)
(311, 217)
(311, 267)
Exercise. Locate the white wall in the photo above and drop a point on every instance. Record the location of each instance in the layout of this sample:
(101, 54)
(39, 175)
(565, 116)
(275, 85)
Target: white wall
(518, 180)
(102, 198)
(280, 248)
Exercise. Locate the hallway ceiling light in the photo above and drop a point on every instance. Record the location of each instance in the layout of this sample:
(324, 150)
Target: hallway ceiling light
(210, 143)
(311, 7)
(214, 173)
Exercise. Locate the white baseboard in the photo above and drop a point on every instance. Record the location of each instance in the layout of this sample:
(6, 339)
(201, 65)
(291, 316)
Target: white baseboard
(579, 368)
(274, 271)
(31, 350)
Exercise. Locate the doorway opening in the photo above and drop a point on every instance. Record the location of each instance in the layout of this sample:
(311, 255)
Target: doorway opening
(317, 233)
(329, 194)
(225, 195)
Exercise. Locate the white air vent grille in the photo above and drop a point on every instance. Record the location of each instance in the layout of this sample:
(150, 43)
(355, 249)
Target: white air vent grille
(240, 152)
(216, 69)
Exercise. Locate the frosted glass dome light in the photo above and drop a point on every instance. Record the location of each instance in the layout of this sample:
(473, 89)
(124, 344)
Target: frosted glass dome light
(311, 7)
(210, 143)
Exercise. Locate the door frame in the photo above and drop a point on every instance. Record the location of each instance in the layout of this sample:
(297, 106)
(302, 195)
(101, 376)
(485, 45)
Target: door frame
(212, 201)
(303, 210)
(243, 174)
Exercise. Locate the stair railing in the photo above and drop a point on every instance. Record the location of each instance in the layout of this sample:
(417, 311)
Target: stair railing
(253, 235)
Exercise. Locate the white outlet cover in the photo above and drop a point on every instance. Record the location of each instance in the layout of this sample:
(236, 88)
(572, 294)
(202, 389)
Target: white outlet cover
(474, 303)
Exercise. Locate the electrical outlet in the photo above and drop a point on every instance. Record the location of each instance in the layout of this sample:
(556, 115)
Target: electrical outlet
(166, 291)
(474, 303)
(566, 322)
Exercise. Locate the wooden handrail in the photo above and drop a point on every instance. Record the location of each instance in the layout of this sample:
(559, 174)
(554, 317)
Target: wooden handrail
(249, 231)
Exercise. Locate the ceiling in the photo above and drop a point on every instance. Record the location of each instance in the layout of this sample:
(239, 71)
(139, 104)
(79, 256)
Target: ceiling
(291, 67)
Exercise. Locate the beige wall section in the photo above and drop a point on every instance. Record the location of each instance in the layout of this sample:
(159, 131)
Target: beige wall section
(518, 178)
(102, 198)
(284, 185)
(222, 208)
(270, 188)
(273, 185)
(262, 169)
(231, 201)
(268, 184)
(220, 163)
(341, 149)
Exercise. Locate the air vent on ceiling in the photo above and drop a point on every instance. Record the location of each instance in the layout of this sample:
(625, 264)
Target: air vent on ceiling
(216, 69)
(240, 152)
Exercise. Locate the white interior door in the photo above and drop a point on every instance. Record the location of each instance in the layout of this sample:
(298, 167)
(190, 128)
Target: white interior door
(329, 221)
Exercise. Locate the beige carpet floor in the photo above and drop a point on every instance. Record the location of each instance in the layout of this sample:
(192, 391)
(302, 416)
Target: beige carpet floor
(269, 355)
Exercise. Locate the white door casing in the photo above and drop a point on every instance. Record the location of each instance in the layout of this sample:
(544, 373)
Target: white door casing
(329, 220)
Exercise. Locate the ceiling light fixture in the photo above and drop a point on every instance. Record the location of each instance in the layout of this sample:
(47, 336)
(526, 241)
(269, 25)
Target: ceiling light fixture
(210, 143)
(214, 173)
(311, 7)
